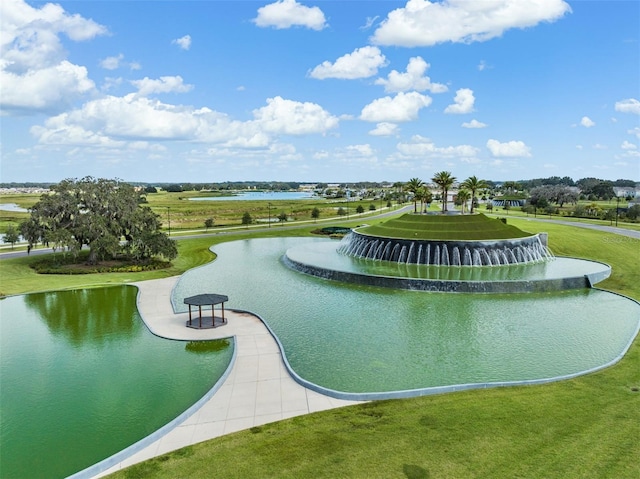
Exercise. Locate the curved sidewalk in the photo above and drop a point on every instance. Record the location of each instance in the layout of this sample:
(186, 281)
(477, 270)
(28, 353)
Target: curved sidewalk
(257, 391)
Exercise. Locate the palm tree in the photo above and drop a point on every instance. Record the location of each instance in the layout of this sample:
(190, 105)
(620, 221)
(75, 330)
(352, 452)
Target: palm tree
(463, 196)
(412, 186)
(473, 184)
(444, 180)
(424, 195)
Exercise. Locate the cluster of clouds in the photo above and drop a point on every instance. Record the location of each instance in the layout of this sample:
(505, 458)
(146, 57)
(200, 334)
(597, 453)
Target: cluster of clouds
(37, 77)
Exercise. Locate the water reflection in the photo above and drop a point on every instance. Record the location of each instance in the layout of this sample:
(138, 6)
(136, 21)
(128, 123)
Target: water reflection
(203, 347)
(82, 378)
(93, 316)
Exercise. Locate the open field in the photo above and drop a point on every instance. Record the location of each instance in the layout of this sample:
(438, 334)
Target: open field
(179, 211)
(584, 427)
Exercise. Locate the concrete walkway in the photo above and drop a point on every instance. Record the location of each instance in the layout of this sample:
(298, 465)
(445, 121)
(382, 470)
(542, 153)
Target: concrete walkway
(258, 390)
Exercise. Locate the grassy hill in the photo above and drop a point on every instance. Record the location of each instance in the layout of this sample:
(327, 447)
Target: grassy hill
(444, 227)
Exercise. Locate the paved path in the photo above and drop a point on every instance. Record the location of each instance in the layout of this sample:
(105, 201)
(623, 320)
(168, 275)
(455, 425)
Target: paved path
(258, 390)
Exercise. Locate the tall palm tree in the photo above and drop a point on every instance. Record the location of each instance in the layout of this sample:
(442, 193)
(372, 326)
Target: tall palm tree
(424, 195)
(444, 180)
(473, 184)
(412, 186)
(463, 196)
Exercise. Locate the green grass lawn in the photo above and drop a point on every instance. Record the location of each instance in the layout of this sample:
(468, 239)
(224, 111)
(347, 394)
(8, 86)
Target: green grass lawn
(444, 227)
(588, 427)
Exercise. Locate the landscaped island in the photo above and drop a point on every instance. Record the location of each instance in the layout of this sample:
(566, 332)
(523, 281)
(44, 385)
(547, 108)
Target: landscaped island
(443, 240)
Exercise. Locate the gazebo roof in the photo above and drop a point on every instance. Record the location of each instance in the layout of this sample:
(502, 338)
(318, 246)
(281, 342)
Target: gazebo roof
(204, 299)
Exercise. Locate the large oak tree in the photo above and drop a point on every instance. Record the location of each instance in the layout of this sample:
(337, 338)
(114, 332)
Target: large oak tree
(107, 216)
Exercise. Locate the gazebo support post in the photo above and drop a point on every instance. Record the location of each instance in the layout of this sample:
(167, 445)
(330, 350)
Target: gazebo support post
(200, 315)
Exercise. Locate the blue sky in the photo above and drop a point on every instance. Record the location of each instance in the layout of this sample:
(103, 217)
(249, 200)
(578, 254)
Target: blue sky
(332, 91)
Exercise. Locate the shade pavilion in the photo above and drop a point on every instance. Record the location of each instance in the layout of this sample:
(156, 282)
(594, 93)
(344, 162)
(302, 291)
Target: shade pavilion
(208, 299)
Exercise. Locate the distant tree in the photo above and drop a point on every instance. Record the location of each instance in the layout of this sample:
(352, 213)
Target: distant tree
(388, 204)
(507, 206)
(462, 197)
(151, 189)
(208, 223)
(11, 235)
(174, 188)
(473, 184)
(360, 209)
(246, 218)
(444, 180)
(315, 214)
(633, 213)
(412, 186)
(610, 215)
(596, 188)
(511, 187)
(372, 207)
(341, 211)
(105, 215)
(424, 195)
(282, 217)
(489, 206)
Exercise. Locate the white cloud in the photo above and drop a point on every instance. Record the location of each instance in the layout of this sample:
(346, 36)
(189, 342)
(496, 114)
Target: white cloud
(403, 107)
(294, 118)
(360, 150)
(110, 121)
(183, 42)
(482, 66)
(630, 105)
(34, 72)
(463, 102)
(425, 23)
(369, 23)
(474, 124)
(29, 37)
(635, 131)
(627, 145)
(413, 79)
(384, 129)
(422, 147)
(115, 62)
(289, 13)
(361, 63)
(587, 122)
(166, 84)
(510, 149)
(112, 63)
(43, 90)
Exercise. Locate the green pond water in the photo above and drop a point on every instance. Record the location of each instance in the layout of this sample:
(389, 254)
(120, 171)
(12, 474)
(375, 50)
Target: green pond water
(355, 338)
(81, 378)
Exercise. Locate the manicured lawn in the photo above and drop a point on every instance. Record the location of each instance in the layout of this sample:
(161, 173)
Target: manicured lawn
(444, 227)
(582, 428)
